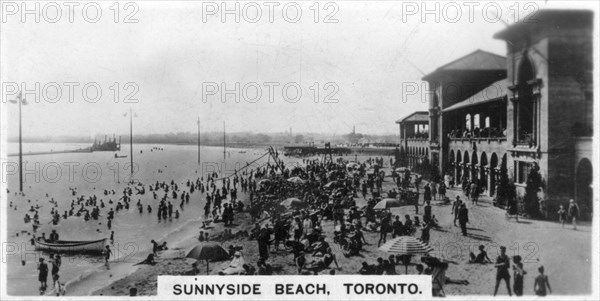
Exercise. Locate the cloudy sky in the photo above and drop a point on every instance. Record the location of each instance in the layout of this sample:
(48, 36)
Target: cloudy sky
(176, 53)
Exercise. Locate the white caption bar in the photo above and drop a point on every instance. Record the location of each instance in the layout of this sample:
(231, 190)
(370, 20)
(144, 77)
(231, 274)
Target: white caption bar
(321, 287)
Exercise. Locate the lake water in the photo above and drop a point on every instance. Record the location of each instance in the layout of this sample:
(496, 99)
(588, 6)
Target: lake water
(91, 173)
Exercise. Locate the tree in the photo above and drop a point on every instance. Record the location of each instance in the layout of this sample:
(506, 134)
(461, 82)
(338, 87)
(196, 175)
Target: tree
(262, 138)
(534, 183)
(505, 190)
(299, 139)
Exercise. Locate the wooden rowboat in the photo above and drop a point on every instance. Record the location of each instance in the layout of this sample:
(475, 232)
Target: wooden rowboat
(70, 246)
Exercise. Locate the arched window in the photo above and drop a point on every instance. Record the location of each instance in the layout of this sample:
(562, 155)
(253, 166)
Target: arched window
(468, 122)
(525, 109)
(487, 122)
(476, 121)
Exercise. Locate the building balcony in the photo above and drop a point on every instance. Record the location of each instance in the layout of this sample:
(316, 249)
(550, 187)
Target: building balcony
(487, 145)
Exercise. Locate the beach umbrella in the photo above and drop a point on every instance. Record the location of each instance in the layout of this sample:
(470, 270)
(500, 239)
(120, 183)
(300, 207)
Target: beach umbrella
(352, 165)
(292, 202)
(406, 245)
(401, 169)
(263, 182)
(387, 203)
(331, 184)
(208, 251)
(296, 180)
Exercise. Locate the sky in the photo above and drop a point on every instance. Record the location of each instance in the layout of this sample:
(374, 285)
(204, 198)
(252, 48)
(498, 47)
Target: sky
(172, 66)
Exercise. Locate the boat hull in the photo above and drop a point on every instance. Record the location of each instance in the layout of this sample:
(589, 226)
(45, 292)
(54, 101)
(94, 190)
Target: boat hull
(64, 246)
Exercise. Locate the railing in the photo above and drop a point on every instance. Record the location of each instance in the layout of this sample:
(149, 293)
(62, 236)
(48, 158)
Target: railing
(488, 139)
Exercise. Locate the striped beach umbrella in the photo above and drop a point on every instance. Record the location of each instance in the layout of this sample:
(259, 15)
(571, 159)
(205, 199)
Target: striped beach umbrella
(407, 246)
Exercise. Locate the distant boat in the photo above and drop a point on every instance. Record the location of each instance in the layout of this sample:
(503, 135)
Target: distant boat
(107, 144)
(117, 156)
(70, 246)
(242, 152)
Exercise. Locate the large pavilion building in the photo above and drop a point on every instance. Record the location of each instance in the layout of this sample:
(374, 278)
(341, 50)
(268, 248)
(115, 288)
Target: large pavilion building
(532, 107)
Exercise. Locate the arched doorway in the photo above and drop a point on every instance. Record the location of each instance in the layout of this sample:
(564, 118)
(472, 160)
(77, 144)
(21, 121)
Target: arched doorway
(483, 173)
(492, 175)
(458, 174)
(474, 169)
(467, 169)
(450, 164)
(583, 185)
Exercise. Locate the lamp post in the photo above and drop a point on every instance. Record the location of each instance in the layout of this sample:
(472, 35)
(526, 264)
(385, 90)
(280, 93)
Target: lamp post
(21, 102)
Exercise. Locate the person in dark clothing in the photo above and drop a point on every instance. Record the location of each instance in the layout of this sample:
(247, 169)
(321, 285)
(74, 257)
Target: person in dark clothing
(518, 273)
(397, 227)
(379, 268)
(367, 269)
(264, 238)
(154, 247)
(426, 193)
(481, 258)
(43, 274)
(456, 208)
(384, 229)
(427, 213)
(502, 266)
(463, 218)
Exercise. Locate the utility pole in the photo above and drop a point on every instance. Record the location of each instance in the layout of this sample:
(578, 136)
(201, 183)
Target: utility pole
(131, 141)
(198, 140)
(20, 146)
(21, 102)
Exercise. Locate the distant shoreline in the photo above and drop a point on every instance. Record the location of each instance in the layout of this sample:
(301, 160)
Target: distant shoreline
(382, 151)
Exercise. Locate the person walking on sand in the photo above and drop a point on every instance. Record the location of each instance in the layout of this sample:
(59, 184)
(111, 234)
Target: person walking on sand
(474, 190)
(384, 229)
(463, 218)
(562, 215)
(427, 193)
(541, 282)
(456, 208)
(573, 213)
(107, 254)
(502, 265)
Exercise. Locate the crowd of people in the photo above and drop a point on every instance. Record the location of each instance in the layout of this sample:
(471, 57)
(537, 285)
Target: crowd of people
(487, 132)
(293, 209)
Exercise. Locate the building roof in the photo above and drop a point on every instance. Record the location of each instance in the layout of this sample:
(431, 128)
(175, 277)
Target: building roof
(494, 92)
(477, 60)
(554, 19)
(418, 116)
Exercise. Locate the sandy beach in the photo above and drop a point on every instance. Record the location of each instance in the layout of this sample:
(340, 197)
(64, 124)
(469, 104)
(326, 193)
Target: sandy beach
(538, 242)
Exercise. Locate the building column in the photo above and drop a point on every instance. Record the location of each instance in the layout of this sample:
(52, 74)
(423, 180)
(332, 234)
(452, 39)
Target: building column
(490, 176)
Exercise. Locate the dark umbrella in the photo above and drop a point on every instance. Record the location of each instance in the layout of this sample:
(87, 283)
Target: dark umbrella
(208, 251)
